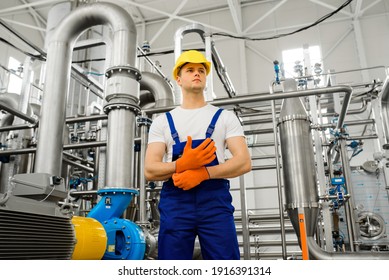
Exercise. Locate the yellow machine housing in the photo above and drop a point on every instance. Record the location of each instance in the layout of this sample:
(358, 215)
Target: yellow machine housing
(91, 239)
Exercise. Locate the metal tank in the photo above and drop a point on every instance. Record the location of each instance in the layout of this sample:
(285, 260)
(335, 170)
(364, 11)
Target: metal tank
(298, 165)
(299, 174)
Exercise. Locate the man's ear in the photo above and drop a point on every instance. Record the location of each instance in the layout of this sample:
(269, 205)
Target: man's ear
(178, 80)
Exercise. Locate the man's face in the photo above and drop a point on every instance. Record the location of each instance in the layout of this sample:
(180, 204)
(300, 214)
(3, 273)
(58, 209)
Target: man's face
(192, 77)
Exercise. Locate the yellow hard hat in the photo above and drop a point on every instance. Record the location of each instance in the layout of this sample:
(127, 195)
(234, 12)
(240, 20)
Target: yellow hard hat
(191, 56)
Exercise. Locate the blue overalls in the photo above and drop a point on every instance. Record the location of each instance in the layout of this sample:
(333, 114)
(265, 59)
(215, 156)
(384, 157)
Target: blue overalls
(205, 210)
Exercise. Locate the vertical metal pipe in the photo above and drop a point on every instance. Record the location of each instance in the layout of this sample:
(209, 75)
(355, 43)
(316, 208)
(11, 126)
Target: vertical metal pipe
(343, 112)
(48, 158)
(102, 159)
(245, 220)
(349, 209)
(279, 184)
(72, 96)
(142, 181)
(26, 88)
(97, 160)
(120, 152)
(325, 209)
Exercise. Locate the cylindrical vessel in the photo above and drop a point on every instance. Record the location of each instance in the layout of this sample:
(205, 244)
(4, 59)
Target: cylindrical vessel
(298, 164)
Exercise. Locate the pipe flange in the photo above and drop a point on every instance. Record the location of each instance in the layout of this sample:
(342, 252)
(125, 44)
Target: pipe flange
(131, 71)
(119, 105)
(294, 118)
(35, 123)
(294, 205)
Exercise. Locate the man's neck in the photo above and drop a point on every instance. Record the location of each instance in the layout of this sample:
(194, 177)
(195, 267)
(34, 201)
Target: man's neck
(191, 101)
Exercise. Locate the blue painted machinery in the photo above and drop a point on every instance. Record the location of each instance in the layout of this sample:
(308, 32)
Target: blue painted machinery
(125, 239)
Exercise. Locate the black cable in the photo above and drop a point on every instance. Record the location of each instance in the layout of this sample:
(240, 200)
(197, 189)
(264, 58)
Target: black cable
(89, 60)
(156, 53)
(373, 89)
(39, 56)
(140, 55)
(5, 68)
(168, 52)
(286, 34)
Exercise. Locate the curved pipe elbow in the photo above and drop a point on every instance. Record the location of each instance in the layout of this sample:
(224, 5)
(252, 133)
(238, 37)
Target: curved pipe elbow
(319, 254)
(161, 92)
(121, 23)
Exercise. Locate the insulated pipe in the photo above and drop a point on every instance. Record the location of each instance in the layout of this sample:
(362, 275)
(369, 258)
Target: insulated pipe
(49, 149)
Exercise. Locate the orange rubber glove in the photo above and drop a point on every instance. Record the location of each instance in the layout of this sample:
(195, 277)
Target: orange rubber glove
(197, 157)
(190, 178)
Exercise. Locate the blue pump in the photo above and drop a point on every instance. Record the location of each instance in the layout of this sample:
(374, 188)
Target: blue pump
(126, 240)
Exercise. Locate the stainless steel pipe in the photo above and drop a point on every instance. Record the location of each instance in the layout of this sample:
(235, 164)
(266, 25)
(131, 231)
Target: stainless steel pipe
(49, 149)
(267, 97)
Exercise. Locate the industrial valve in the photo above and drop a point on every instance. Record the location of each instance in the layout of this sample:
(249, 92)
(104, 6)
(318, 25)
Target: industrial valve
(336, 193)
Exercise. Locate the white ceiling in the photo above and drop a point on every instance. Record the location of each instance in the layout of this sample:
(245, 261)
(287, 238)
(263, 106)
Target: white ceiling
(156, 21)
(31, 15)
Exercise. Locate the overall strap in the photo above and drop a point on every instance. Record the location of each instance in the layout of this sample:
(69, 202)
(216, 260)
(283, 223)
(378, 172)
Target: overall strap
(212, 125)
(173, 130)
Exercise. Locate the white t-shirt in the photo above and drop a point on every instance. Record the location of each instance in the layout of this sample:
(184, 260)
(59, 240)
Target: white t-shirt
(195, 122)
